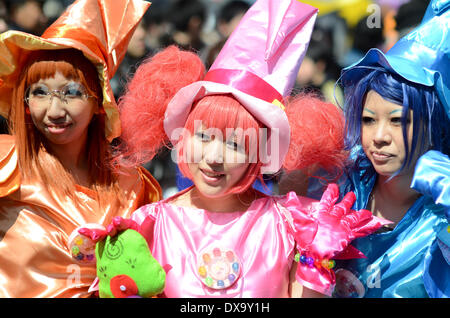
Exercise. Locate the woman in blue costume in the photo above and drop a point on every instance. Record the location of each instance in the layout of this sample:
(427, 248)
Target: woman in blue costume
(397, 111)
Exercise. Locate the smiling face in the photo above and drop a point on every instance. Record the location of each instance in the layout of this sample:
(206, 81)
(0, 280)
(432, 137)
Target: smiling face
(63, 121)
(219, 147)
(381, 134)
(216, 164)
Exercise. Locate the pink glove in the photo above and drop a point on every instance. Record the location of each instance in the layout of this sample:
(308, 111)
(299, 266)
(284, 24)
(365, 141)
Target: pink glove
(324, 233)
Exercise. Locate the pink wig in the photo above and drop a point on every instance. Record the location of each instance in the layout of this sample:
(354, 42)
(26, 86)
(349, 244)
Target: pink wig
(317, 134)
(228, 113)
(147, 95)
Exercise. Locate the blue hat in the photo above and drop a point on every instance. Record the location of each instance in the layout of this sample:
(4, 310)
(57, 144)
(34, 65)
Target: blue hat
(422, 56)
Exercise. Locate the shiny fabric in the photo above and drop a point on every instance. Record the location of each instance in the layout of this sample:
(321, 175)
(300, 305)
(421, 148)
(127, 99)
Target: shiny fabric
(261, 238)
(9, 174)
(326, 233)
(35, 225)
(99, 29)
(246, 82)
(432, 177)
(422, 56)
(270, 41)
(407, 261)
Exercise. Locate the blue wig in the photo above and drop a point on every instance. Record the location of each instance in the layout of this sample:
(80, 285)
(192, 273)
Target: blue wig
(431, 125)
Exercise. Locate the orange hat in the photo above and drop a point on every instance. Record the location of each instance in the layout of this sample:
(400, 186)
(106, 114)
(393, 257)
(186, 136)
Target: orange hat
(100, 29)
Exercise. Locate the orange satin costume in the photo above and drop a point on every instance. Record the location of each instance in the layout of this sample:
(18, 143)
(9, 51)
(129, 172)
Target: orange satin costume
(35, 225)
(35, 259)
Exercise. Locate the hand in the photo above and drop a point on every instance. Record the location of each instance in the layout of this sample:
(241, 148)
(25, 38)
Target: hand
(324, 233)
(331, 227)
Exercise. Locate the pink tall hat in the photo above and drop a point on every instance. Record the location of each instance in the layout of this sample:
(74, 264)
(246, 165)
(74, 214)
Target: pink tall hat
(258, 65)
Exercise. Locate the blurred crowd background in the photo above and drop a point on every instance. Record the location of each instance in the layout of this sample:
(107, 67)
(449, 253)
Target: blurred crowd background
(344, 31)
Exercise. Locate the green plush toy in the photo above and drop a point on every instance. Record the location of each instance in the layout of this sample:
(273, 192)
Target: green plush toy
(126, 267)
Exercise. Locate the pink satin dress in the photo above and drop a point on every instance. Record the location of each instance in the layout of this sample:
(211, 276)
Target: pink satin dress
(36, 259)
(224, 254)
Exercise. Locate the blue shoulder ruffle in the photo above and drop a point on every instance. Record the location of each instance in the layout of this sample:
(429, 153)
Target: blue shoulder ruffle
(432, 178)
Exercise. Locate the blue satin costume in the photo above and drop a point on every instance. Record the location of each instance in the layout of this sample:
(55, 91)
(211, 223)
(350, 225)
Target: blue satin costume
(413, 259)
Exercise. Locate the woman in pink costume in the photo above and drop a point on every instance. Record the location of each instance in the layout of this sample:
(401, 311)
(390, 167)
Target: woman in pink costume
(220, 237)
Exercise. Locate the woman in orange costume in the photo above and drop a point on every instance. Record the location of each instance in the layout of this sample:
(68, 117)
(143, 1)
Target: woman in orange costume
(55, 172)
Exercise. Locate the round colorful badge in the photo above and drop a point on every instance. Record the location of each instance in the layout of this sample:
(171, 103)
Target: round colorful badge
(81, 247)
(218, 267)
